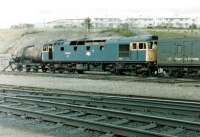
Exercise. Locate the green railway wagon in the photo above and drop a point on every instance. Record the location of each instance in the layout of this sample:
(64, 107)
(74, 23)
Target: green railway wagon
(179, 56)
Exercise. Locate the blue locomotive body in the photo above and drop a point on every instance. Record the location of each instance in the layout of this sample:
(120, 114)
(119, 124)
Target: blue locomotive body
(110, 50)
(116, 54)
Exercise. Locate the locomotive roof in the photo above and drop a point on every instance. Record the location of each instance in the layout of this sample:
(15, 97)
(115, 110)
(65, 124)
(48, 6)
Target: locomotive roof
(120, 39)
(135, 38)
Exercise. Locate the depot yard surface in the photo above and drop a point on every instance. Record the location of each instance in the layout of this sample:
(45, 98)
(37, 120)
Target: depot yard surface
(12, 40)
(14, 132)
(189, 91)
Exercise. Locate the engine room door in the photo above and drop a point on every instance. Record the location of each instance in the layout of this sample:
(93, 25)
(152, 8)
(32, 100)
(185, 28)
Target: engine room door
(50, 53)
(124, 50)
(188, 52)
(180, 53)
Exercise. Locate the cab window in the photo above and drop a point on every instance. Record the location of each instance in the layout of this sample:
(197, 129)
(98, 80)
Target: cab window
(62, 48)
(144, 47)
(150, 45)
(134, 45)
(140, 45)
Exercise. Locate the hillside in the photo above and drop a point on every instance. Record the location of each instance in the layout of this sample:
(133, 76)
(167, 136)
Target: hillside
(12, 40)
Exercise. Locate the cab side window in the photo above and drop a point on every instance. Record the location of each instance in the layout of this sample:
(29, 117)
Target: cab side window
(139, 46)
(134, 45)
(62, 49)
(142, 46)
(151, 45)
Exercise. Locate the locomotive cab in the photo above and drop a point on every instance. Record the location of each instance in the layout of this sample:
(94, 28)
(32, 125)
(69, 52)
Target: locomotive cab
(47, 53)
(144, 51)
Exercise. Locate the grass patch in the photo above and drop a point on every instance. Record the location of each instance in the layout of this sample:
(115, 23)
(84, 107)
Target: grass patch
(118, 31)
(174, 33)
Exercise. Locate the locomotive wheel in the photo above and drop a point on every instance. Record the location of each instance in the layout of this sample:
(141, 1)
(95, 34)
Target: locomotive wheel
(145, 73)
(71, 71)
(35, 69)
(53, 70)
(44, 69)
(28, 69)
(80, 71)
(119, 72)
(175, 74)
(19, 67)
(61, 70)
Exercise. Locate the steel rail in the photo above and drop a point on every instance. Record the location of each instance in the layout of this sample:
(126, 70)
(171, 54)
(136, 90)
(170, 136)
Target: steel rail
(134, 105)
(177, 107)
(114, 113)
(111, 97)
(98, 126)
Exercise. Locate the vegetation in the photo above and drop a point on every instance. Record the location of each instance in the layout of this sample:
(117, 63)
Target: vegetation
(59, 26)
(171, 33)
(87, 24)
(119, 31)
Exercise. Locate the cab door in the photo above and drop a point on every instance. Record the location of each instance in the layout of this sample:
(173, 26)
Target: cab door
(189, 54)
(180, 53)
(50, 53)
(138, 51)
(134, 51)
(141, 52)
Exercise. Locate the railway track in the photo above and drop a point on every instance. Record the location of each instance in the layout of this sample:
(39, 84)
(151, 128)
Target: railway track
(123, 103)
(124, 116)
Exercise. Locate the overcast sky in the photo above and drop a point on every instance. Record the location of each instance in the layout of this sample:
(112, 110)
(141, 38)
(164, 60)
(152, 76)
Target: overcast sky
(35, 11)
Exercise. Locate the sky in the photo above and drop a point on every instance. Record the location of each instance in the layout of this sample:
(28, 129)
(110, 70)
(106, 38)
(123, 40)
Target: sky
(39, 11)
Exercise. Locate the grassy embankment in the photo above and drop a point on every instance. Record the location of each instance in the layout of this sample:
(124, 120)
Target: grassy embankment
(12, 39)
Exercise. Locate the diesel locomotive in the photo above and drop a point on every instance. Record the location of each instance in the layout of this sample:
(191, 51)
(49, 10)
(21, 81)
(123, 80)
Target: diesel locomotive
(144, 54)
(117, 55)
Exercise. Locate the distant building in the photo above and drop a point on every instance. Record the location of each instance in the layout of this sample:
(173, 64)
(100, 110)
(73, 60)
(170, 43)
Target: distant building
(65, 23)
(102, 23)
(174, 22)
(106, 22)
(22, 26)
(140, 22)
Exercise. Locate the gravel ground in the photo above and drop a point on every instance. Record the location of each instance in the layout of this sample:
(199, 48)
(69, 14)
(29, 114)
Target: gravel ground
(14, 126)
(189, 91)
(14, 132)
(179, 90)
